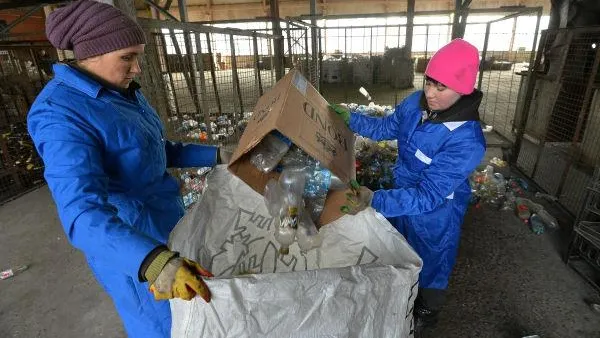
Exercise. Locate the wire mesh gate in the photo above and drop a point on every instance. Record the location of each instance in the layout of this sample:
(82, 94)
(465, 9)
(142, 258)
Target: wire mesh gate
(558, 143)
(503, 70)
(24, 70)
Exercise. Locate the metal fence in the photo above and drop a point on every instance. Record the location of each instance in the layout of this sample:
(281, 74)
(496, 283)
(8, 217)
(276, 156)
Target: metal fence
(504, 70)
(374, 57)
(24, 70)
(370, 56)
(558, 143)
(205, 81)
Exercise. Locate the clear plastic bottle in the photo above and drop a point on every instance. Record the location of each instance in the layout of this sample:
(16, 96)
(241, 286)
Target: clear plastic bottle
(285, 233)
(273, 195)
(291, 182)
(267, 154)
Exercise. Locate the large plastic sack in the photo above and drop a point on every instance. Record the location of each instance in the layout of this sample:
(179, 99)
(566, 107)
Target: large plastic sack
(361, 282)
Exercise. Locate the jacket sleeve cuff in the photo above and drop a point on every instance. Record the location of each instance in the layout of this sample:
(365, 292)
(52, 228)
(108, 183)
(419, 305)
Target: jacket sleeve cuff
(376, 200)
(154, 263)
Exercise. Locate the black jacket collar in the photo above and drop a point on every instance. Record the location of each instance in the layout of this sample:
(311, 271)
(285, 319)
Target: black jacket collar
(465, 109)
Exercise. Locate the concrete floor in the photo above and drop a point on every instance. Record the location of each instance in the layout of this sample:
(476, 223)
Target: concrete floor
(57, 296)
(508, 282)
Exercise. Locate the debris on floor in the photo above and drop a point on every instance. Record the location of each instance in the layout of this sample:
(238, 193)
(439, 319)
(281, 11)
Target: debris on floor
(12, 272)
(510, 194)
(498, 162)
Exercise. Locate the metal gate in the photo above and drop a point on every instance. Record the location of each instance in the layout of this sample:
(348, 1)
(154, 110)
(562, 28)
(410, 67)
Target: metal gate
(558, 143)
(503, 68)
(25, 68)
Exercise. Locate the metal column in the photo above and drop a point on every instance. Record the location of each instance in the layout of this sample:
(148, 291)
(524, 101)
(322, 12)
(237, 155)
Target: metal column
(257, 78)
(410, 18)
(234, 72)
(213, 73)
(314, 41)
(279, 53)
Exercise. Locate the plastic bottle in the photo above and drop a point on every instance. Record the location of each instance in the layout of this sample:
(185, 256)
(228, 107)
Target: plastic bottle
(548, 219)
(12, 272)
(489, 173)
(285, 233)
(500, 184)
(523, 212)
(307, 234)
(267, 154)
(315, 190)
(537, 225)
(291, 182)
(273, 195)
(509, 204)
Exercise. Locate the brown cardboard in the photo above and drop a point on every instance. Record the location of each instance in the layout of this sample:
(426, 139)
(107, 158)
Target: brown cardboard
(297, 110)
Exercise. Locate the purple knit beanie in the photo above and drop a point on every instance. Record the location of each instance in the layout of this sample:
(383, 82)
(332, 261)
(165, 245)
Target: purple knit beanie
(91, 28)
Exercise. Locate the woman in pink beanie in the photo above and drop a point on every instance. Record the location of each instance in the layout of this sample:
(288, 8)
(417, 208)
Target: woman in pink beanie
(106, 158)
(440, 143)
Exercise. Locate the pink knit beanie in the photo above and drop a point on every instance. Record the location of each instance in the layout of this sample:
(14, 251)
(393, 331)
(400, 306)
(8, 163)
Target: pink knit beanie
(455, 65)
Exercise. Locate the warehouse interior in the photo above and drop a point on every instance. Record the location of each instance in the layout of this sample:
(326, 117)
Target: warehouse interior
(207, 63)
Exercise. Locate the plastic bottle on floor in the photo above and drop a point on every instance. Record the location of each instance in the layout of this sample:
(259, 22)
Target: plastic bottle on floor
(537, 225)
(548, 219)
(523, 212)
(12, 272)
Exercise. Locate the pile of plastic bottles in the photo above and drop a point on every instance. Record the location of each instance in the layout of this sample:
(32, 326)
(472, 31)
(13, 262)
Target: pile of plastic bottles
(298, 198)
(372, 109)
(508, 195)
(374, 164)
(192, 184)
(220, 129)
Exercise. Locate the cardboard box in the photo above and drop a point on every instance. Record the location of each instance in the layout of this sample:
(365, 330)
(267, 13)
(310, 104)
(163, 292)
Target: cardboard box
(295, 108)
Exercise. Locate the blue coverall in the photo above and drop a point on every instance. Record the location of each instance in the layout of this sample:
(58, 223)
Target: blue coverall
(431, 188)
(106, 158)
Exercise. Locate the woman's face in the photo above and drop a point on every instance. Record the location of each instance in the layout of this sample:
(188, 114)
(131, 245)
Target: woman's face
(439, 97)
(118, 67)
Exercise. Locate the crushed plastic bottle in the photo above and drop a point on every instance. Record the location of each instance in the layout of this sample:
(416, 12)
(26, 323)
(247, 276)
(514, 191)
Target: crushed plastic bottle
(536, 223)
(548, 219)
(267, 154)
(8, 273)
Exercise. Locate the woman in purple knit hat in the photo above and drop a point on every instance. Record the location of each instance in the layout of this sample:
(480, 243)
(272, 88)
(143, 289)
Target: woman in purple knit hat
(106, 157)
